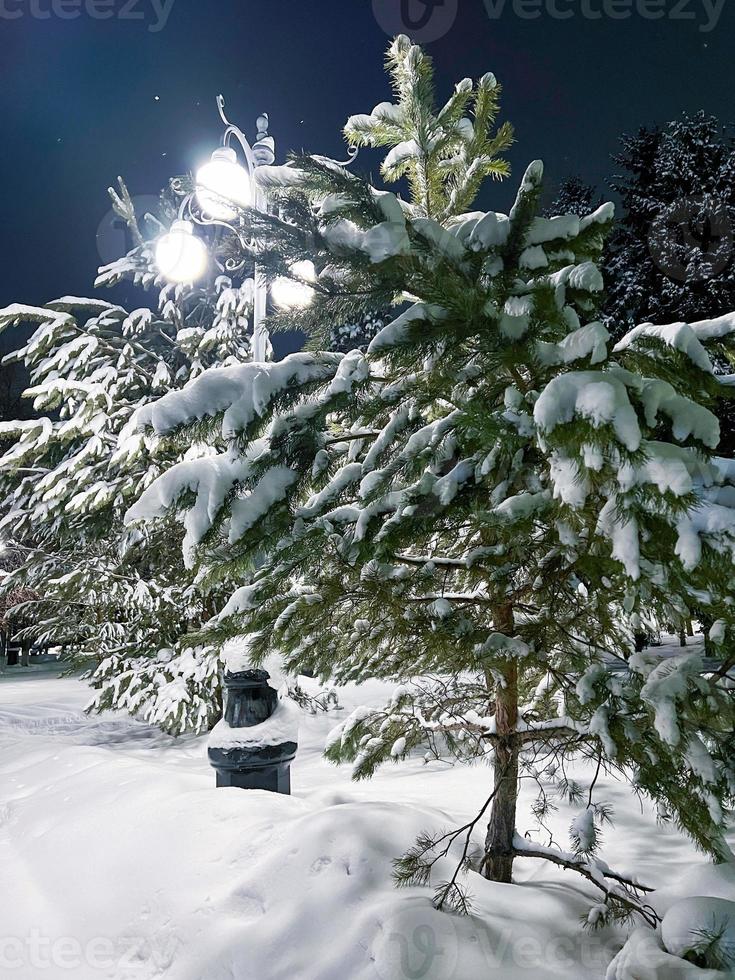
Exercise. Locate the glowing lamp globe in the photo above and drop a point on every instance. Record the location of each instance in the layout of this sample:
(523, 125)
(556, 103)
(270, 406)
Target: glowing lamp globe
(180, 256)
(288, 294)
(220, 181)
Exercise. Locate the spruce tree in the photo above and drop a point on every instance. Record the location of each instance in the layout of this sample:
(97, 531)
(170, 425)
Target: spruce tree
(484, 506)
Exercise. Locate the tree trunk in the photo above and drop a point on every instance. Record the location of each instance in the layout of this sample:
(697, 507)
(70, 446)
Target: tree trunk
(706, 622)
(498, 864)
(499, 840)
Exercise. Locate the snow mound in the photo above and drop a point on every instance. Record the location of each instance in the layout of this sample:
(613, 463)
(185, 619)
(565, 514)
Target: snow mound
(688, 922)
(124, 860)
(281, 727)
(643, 958)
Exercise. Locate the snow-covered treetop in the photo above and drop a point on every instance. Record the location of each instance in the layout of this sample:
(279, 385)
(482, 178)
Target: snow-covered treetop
(445, 153)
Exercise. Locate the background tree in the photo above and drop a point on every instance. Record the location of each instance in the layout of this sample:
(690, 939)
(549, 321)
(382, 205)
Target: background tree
(671, 257)
(574, 196)
(12, 604)
(121, 605)
(358, 335)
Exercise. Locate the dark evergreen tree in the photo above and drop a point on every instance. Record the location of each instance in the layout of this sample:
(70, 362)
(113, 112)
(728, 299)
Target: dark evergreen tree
(671, 257)
(574, 196)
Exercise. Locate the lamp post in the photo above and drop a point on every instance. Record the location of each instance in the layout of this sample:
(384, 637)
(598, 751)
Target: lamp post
(223, 188)
(256, 742)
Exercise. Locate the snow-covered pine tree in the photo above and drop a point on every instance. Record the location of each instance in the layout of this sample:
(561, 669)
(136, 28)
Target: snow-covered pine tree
(68, 479)
(119, 603)
(478, 509)
(672, 256)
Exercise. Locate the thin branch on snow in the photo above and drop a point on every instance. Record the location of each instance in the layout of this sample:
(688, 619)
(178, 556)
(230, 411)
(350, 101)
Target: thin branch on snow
(596, 872)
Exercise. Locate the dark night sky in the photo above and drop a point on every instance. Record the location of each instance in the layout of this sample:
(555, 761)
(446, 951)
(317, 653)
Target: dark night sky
(78, 107)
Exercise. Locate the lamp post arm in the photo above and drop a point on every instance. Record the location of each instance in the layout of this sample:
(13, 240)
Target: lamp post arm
(232, 130)
(263, 153)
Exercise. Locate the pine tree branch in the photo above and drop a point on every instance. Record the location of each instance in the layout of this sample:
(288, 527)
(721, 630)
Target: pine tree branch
(458, 563)
(596, 874)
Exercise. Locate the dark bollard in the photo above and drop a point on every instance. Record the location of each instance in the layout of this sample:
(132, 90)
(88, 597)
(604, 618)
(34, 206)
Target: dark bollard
(255, 743)
(13, 653)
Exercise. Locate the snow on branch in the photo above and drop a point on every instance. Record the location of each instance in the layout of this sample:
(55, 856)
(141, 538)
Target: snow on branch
(679, 336)
(716, 329)
(210, 479)
(243, 392)
(398, 331)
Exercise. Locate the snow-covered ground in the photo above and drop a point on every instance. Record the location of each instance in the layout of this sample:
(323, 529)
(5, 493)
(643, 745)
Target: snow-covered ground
(119, 859)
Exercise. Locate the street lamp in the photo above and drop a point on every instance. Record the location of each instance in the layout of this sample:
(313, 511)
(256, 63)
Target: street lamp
(180, 256)
(289, 294)
(223, 188)
(220, 181)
